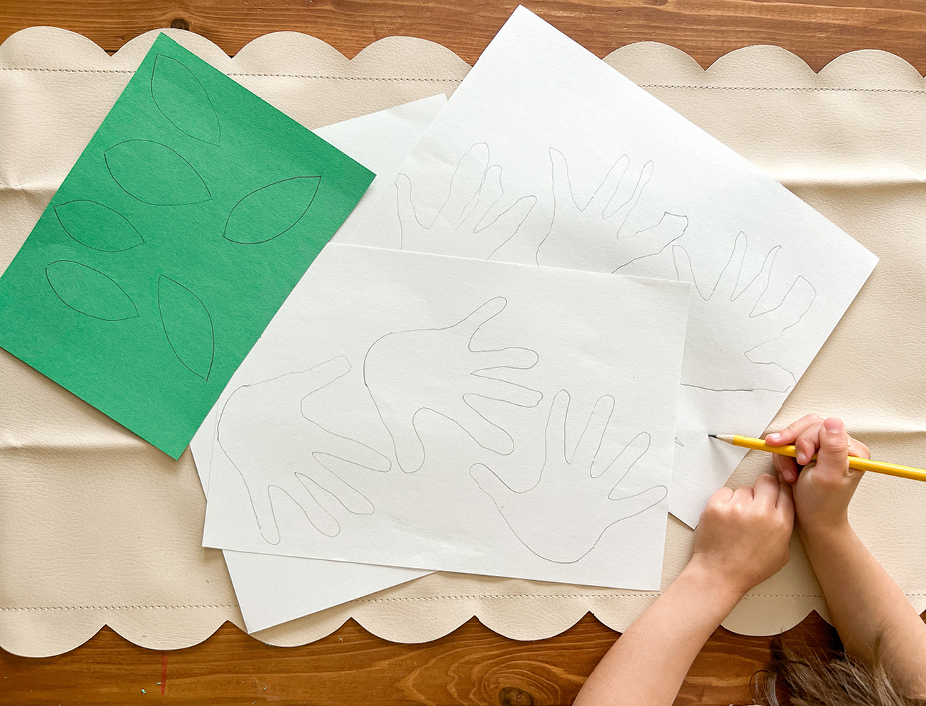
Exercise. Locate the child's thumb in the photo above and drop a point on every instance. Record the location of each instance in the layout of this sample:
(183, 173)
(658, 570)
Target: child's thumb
(833, 456)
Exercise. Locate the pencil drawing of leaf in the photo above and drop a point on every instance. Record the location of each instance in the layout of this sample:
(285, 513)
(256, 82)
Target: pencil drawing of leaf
(187, 325)
(270, 211)
(181, 98)
(89, 291)
(97, 226)
(155, 174)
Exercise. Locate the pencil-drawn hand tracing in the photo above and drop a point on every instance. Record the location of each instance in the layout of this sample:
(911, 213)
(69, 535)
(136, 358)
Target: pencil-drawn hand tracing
(293, 455)
(585, 484)
(466, 225)
(735, 297)
(410, 374)
(603, 233)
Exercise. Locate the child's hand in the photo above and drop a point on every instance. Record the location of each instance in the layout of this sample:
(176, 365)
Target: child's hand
(743, 535)
(823, 489)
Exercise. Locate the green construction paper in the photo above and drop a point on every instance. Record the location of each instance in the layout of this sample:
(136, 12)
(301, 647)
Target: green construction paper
(178, 234)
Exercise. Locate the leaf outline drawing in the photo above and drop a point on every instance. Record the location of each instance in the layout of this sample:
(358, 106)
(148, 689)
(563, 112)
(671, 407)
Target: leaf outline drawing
(154, 163)
(75, 214)
(70, 271)
(451, 378)
(177, 297)
(255, 201)
(543, 518)
(331, 452)
(728, 370)
(162, 83)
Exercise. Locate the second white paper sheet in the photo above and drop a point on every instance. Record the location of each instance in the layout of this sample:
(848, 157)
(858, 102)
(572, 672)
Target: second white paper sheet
(456, 414)
(275, 589)
(546, 155)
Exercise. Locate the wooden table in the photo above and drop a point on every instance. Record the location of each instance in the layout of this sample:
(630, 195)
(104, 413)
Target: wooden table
(472, 665)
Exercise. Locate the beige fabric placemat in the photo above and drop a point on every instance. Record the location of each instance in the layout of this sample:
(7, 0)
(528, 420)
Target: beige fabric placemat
(97, 527)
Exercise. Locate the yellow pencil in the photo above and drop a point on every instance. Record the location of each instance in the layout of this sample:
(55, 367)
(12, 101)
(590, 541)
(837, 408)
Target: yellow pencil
(859, 464)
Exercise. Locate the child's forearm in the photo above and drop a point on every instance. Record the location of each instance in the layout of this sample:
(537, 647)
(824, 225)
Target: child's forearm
(742, 540)
(648, 663)
(867, 606)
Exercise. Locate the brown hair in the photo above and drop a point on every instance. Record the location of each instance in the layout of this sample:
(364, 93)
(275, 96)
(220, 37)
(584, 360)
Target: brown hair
(834, 679)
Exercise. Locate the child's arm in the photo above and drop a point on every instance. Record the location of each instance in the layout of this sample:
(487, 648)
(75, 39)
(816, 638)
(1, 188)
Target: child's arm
(742, 540)
(867, 607)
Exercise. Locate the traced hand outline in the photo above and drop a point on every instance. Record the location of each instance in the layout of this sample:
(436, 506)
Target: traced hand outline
(601, 235)
(720, 366)
(461, 226)
(543, 517)
(438, 371)
(292, 453)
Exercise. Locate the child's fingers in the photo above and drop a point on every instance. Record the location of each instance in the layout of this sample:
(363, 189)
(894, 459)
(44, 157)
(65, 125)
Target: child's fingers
(858, 449)
(785, 501)
(765, 491)
(793, 430)
(833, 456)
(743, 496)
(721, 497)
(786, 467)
(805, 434)
(808, 443)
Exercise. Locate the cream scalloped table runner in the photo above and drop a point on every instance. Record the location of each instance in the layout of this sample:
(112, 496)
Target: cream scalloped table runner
(97, 527)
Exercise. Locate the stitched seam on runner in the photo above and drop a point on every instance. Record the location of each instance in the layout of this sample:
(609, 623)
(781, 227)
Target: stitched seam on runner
(351, 78)
(457, 80)
(783, 88)
(423, 598)
(587, 595)
(268, 75)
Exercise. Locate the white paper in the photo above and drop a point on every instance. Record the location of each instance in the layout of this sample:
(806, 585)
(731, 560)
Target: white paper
(546, 155)
(456, 414)
(274, 589)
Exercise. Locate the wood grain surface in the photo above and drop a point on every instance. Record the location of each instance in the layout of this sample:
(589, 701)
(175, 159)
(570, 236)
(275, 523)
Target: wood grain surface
(706, 29)
(472, 665)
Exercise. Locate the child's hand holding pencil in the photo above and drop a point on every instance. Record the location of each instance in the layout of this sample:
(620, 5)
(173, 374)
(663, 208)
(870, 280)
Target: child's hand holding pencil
(823, 463)
(826, 483)
(799, 442)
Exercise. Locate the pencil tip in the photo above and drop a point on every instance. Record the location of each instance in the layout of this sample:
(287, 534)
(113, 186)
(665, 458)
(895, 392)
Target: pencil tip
(713, 436)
